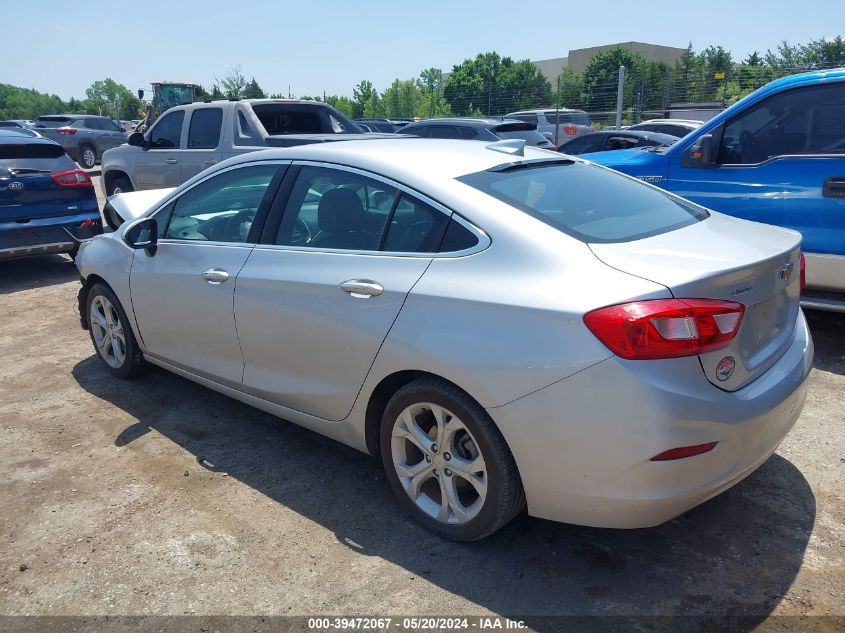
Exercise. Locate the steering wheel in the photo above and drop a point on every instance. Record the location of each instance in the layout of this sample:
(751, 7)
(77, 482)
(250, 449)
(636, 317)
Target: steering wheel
(301, 234)
(234, 226)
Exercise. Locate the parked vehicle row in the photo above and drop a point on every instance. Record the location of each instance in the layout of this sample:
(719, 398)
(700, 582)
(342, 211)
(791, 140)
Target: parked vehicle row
(610, 140)
(479, 130)
(314, 282)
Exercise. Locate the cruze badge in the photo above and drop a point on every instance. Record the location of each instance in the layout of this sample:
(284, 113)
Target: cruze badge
(741, 291)
(786, 271)
(725, 368)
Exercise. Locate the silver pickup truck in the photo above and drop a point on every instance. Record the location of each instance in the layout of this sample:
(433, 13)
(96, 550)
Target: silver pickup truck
(187, 139)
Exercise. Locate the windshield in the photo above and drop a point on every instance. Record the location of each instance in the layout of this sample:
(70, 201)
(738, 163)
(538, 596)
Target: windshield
(171, 96)
(586, 201)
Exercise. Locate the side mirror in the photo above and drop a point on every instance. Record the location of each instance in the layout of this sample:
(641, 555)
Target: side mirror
(142, 234)
(137, 139)
(702, 153)
(140, 93)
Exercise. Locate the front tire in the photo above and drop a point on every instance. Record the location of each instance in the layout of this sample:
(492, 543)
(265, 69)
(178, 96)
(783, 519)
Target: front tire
(120, 185)
(111, 333)
(87, 156)
(447, 462)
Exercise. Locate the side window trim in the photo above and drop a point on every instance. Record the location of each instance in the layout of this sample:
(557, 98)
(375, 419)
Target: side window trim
(260, 215)
(274, 218)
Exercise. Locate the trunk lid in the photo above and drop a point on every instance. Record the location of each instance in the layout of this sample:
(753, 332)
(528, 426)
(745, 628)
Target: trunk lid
(725, 258)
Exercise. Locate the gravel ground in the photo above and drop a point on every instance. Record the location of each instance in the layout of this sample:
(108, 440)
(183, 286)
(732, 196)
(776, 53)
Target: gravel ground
(158, 496)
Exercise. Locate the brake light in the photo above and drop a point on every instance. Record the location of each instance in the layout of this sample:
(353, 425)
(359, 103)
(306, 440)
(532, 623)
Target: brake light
(684, 451)
(666, 328)
(803, 264)
(86, 223)
(72, 178)
(67, 130)
(570, 130)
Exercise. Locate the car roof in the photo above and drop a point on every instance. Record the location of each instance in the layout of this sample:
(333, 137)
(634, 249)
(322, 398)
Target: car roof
(12, 136)
(417, 162)
(535, 111)
(684, 122)
(470, 121)
(636, 133)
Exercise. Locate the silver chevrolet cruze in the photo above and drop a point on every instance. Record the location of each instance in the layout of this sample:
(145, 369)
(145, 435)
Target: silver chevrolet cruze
(502, 326)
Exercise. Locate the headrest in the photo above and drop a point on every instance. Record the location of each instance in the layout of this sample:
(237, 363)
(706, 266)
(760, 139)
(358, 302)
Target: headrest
(340, 210)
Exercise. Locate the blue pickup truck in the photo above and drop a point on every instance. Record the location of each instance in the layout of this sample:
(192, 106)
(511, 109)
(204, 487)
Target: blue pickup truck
(777, 156)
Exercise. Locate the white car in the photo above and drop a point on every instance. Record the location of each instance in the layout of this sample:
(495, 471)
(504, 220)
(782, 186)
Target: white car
(503, 326)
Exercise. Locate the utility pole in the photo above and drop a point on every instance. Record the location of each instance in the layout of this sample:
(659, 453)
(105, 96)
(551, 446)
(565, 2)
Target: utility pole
(490, 92)
(619, 94)
(557, 112)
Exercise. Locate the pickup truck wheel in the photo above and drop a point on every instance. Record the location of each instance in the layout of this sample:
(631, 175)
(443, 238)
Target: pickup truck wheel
(120, 185)
(87, 156)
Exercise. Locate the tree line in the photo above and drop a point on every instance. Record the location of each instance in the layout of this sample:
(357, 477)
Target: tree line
(490, 84)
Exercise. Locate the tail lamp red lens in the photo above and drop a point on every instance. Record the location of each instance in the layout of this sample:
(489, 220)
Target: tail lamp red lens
(666, 328)
(72, 178)
(803, 270)
(86, 223)
(684, 451)
(67, 130)
(570, 130)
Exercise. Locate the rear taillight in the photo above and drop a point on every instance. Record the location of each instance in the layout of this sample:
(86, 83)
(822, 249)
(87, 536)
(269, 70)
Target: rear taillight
(67, 130)
(552, 147)
(72, 178)
(86, 223)
(666, 328)
(570, 130)
(803, 270)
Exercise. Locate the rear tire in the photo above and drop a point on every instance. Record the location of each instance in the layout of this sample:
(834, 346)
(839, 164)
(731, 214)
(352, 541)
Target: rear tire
(120, 185)
(87, 156)
(111, 333)
(447, 462)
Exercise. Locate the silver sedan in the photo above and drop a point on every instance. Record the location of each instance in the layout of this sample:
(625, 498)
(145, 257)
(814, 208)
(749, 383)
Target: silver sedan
(504, 327)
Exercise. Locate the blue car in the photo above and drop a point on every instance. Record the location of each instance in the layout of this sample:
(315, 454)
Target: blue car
(778, 157)
(47, 204)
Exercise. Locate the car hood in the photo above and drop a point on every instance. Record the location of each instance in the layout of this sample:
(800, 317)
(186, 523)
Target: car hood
(132, 205)
(634, 156)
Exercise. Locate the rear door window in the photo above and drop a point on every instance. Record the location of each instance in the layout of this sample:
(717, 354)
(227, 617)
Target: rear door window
(416, 227)
(586, 201)
(443, 131)
(167, 132)
(204, 132)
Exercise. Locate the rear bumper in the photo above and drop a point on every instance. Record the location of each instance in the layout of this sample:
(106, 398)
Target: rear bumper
(43, 236)
(583, 445)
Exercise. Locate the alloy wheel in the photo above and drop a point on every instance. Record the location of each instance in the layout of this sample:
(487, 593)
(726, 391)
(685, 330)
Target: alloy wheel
(108, 332)
(89, 159)
(439, 463)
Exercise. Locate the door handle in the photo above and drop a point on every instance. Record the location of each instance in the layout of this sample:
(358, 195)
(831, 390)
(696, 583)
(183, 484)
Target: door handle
(210, 161)
(834, 187)
(215, 276)
(362, 288)
(171, 161)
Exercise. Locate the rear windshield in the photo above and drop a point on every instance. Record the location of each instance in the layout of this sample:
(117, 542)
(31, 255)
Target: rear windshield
(34, 156)
(285, 118)
(576, 118)
(529, 134)
(589, 202)
(53, 121)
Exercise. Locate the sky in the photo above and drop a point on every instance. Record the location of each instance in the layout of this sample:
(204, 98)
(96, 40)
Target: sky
(330, 45)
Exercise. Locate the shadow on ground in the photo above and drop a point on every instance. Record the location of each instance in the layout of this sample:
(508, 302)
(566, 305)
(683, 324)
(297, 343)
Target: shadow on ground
(828, 329)
(36, 272)
(737, 554)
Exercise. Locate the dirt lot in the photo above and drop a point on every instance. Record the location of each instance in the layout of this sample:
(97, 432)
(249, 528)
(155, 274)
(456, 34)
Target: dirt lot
(106, 504)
